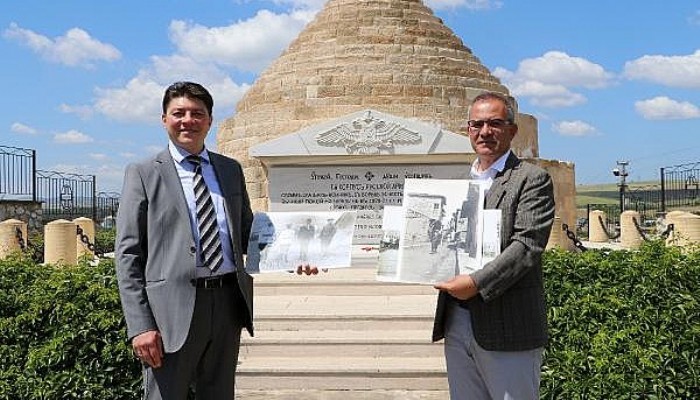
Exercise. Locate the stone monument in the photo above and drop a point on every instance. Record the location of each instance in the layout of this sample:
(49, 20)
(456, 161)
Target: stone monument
(369, 93)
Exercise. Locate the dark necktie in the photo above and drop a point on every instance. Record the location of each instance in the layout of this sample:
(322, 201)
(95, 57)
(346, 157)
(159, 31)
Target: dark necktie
(210, 243)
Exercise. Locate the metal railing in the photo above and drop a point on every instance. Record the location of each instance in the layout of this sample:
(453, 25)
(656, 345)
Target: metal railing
(66, 195)
(17, 172)
(680, 185)
(106, 212)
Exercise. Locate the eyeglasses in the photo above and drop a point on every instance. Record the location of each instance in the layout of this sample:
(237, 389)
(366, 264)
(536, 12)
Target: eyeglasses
(475, 125)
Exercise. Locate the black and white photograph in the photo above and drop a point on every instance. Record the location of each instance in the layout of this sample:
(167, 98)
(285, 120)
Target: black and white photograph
(441, 232)
(280, 241)
(392, 219)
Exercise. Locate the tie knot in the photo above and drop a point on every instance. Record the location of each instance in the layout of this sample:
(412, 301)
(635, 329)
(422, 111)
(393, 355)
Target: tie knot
(194, 160)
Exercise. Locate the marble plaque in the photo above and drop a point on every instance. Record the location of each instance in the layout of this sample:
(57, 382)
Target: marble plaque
(365, 189)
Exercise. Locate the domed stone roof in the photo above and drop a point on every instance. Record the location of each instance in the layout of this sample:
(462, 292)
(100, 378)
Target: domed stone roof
(393, 56)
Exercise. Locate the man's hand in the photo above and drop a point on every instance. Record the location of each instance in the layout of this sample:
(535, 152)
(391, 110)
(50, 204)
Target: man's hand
(148, 347)
(461, 287)
(307, 269)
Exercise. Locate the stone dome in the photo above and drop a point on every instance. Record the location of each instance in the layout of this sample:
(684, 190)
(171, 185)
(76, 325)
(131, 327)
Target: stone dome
(394, 56)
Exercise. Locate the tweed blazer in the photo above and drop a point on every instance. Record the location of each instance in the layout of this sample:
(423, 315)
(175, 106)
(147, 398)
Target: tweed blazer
(155, 251)
(509, 313)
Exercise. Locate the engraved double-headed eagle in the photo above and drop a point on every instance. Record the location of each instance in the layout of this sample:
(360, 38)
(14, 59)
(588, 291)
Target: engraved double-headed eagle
(368, 135)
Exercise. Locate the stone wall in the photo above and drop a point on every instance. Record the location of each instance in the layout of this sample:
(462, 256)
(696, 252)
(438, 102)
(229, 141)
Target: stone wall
(27, 211)
(564, 179)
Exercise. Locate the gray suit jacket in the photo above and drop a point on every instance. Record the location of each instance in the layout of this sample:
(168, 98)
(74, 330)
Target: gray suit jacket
(155, 251)
(509, 313)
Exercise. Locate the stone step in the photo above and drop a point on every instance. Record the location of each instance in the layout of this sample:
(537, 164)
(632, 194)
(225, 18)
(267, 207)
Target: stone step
(359, 288)
(377, 394)
(345, 306)
(342, 373)
(351, 343)
(349, 322)
(341, 335)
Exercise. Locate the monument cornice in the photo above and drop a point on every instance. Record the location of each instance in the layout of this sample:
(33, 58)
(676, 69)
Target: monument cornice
(368, 136)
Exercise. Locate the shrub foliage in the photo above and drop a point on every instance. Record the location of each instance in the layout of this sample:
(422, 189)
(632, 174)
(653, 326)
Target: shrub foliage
(62, 334)
(623, 325)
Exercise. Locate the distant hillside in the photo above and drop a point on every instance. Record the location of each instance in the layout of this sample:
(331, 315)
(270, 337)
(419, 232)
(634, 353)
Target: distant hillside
(606, 193)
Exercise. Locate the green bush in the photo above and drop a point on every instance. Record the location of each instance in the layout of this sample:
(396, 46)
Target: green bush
(104, 240)
(62, 334)
(623, 324)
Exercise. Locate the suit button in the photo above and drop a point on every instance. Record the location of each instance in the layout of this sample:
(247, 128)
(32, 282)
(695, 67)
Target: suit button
(193, 249)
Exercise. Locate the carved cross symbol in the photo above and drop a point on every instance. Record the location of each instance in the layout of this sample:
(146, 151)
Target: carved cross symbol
(369, 175)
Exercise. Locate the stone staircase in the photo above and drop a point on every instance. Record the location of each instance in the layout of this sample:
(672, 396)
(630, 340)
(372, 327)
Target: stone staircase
(341, 335)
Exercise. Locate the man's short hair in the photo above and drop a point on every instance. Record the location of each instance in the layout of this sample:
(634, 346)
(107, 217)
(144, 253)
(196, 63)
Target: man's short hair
(190, 90)
(507, 100)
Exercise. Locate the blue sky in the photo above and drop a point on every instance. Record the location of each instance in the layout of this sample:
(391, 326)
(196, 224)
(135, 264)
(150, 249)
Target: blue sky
(607, 80)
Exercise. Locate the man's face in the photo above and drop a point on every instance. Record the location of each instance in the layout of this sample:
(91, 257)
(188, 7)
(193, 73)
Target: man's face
(490, 142)
(187, 122)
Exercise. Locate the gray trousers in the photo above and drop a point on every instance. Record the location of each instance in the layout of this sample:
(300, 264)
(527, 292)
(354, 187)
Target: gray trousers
(207, 361)
(477, 374)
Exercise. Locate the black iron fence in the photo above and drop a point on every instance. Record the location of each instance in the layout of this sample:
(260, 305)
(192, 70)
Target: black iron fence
(17, 172)
(66, 195)
(679, 188)
(63, 195)
(106, 210)
(611, 221)
(680, 185)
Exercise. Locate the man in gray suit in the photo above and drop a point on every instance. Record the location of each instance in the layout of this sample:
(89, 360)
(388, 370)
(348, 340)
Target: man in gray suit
(185, 312)
(494, 320)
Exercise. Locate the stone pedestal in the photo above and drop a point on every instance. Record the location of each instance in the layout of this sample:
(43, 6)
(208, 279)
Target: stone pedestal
(59, 243)
(557, 238)
(88, 228)
(630, 237)
(9, 242)
(596, 230)
(686, 229)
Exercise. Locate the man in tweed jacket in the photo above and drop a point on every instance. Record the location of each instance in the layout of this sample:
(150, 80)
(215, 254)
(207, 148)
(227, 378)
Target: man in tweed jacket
(494, 320)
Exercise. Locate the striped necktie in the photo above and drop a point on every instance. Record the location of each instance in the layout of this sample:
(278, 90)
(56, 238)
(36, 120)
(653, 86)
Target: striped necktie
(210, 243)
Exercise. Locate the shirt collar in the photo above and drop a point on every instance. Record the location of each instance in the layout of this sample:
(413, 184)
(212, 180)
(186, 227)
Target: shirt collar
(179, 154)
(494, 169)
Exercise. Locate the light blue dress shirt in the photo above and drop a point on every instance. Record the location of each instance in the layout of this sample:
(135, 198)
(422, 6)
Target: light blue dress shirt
(185, 170)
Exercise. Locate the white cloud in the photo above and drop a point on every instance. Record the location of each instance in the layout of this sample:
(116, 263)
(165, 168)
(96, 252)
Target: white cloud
(548, 80)
(239, 44)
(75, 48)
(108, 176)
(22, 129)
(127, 155)
(140, 100)
(154, 149)
(664, 108)
(674, 71)
(694, 19)
(311, 5)
(559, 68)
(203, 55)
(574, 128)
(70, 169)
(98, 156)
(72, 137)
(83, 112)
(468, 4)
(542, 94)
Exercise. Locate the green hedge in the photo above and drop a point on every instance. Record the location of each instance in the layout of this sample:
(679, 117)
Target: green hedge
(62, 334)
(623, 325)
